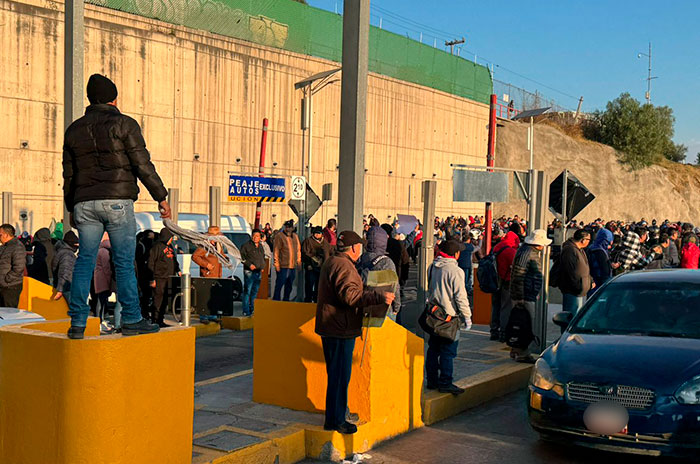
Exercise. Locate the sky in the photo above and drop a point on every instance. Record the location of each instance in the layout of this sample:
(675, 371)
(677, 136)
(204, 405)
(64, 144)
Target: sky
(569, 48)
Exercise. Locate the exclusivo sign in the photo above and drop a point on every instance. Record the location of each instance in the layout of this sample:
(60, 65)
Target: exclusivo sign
(255, 189)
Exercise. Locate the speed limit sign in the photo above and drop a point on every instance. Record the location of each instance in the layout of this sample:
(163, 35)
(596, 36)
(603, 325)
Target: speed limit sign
(298, 188)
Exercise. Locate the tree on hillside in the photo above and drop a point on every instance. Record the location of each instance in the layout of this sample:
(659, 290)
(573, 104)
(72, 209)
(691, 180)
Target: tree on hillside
(642, 132)
(697, 159)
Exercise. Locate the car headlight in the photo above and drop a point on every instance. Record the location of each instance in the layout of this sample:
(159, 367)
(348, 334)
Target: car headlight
(689, 393)
(542, 376)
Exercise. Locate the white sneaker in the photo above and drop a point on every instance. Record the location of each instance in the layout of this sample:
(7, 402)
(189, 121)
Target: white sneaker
(106, 328)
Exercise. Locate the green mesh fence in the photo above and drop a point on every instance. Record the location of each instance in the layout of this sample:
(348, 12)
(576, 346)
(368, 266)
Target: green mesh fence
(299, 28)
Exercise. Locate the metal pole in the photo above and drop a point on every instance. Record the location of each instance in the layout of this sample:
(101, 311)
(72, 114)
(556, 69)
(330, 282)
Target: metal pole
(531, 140)
(7, 211)
(311, 136)
(649, 77)
(564, 198)
(353, 115)
(490, 162)
(261, 169)
(426, 251)
(214, 205)
(73, 68)
(186, 290)
(532, 204)
(174, 201)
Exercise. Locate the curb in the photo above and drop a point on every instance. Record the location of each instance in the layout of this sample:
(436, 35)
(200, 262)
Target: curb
(480, 388)
(207, 330)
(237, 323)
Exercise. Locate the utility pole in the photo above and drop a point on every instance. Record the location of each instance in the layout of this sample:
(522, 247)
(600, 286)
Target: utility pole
(353, 115)
(452, 44)
(649, 76)
(73, 64)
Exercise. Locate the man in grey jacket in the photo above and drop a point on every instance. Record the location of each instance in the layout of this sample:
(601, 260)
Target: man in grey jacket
(13, 260)
(446, 289)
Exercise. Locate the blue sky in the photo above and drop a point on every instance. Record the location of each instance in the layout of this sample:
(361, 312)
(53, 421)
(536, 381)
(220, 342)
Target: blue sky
(586, 48)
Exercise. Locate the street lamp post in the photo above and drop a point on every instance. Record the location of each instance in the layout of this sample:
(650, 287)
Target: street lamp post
(649, 76)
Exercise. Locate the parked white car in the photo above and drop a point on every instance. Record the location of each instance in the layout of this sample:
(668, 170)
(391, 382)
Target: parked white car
(235, 228)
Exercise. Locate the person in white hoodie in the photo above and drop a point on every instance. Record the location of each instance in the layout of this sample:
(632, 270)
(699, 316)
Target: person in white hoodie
(446, 289)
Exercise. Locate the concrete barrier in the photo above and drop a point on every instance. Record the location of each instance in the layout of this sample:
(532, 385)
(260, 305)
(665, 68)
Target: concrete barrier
(100, 400)
(289, 371)
(37, 297)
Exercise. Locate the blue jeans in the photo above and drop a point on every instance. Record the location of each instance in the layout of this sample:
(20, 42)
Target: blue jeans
(338, 355)
(92, 219)
(571, 303)
(284, 277)
(439, 362)
(251, 284)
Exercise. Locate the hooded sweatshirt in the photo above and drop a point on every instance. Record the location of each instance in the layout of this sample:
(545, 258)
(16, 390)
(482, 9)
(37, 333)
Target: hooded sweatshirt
(63, 263)
(375, 258)
(690, 256)
(162, 261)
(44, 252)
(447, 288)
(504, 261)
(599, 257)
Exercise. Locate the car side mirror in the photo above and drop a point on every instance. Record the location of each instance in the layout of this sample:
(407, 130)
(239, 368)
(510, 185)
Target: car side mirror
(563, 319)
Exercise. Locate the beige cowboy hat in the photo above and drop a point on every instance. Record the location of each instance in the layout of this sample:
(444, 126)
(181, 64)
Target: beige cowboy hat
(538, 237)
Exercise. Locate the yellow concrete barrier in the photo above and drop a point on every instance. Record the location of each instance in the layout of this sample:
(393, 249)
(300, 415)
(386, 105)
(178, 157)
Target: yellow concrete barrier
(289, 371)
(109, 399)
(37, 297)
(237, 322)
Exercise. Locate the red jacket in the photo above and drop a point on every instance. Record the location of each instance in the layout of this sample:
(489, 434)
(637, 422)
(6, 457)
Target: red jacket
(690, 256)
(504, 260)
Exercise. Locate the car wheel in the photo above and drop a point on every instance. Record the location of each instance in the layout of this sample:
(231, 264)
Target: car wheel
(237, 289)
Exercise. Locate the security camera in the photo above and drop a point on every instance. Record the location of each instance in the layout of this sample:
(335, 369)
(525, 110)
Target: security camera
(23, 215)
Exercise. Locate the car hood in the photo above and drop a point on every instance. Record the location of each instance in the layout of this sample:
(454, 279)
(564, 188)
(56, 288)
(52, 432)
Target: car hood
(660, 363)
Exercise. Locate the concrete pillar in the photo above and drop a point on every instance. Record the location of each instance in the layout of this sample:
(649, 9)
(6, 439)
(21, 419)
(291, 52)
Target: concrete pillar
(353, 115)
(7, 208)
(214, 205)
(73, 80)
(174, 201)
(426, 251)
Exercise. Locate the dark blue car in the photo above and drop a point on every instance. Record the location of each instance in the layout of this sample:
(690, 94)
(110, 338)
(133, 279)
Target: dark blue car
(635, 344)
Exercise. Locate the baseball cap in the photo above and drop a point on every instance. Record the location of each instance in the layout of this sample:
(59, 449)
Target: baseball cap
(349, 238)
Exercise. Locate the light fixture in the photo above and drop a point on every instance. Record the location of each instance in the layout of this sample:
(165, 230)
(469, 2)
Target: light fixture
(391, 172)
(366, 169)
(413, 174)
(274, 164)
(196, 156)
(434, 175)
(238, 160)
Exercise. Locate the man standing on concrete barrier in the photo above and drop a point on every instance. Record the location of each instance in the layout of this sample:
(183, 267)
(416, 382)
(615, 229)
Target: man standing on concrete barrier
(104, 154)
(339, 313)
(253, 258)
(287, 250)
(13, 260)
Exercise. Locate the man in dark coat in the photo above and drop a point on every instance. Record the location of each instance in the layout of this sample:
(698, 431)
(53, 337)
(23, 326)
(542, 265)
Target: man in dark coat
(104, 155)
(574, 278)
(339, 313)
(43, 253)
(13, 260)
(314, 252)
(162, 263)
(253, 258)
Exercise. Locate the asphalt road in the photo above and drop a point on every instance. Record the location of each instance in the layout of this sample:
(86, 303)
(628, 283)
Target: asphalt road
(223, 354)
(494, 433)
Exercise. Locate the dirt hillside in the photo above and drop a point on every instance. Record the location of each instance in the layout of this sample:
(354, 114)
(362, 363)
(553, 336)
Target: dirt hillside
(668, 191)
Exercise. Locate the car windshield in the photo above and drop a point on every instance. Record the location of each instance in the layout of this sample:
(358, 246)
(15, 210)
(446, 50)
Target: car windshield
(647, 309)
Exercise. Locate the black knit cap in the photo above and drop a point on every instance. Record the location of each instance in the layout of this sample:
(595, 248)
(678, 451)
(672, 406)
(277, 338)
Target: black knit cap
(70, 239)
(101, 90)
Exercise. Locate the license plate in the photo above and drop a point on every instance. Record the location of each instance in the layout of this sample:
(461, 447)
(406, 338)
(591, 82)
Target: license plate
(606, 418)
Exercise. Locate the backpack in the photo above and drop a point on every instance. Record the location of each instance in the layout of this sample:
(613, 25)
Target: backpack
(487, 273)
(519, 328)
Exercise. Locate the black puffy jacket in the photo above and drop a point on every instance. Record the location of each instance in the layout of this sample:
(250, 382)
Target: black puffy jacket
(103, 155)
